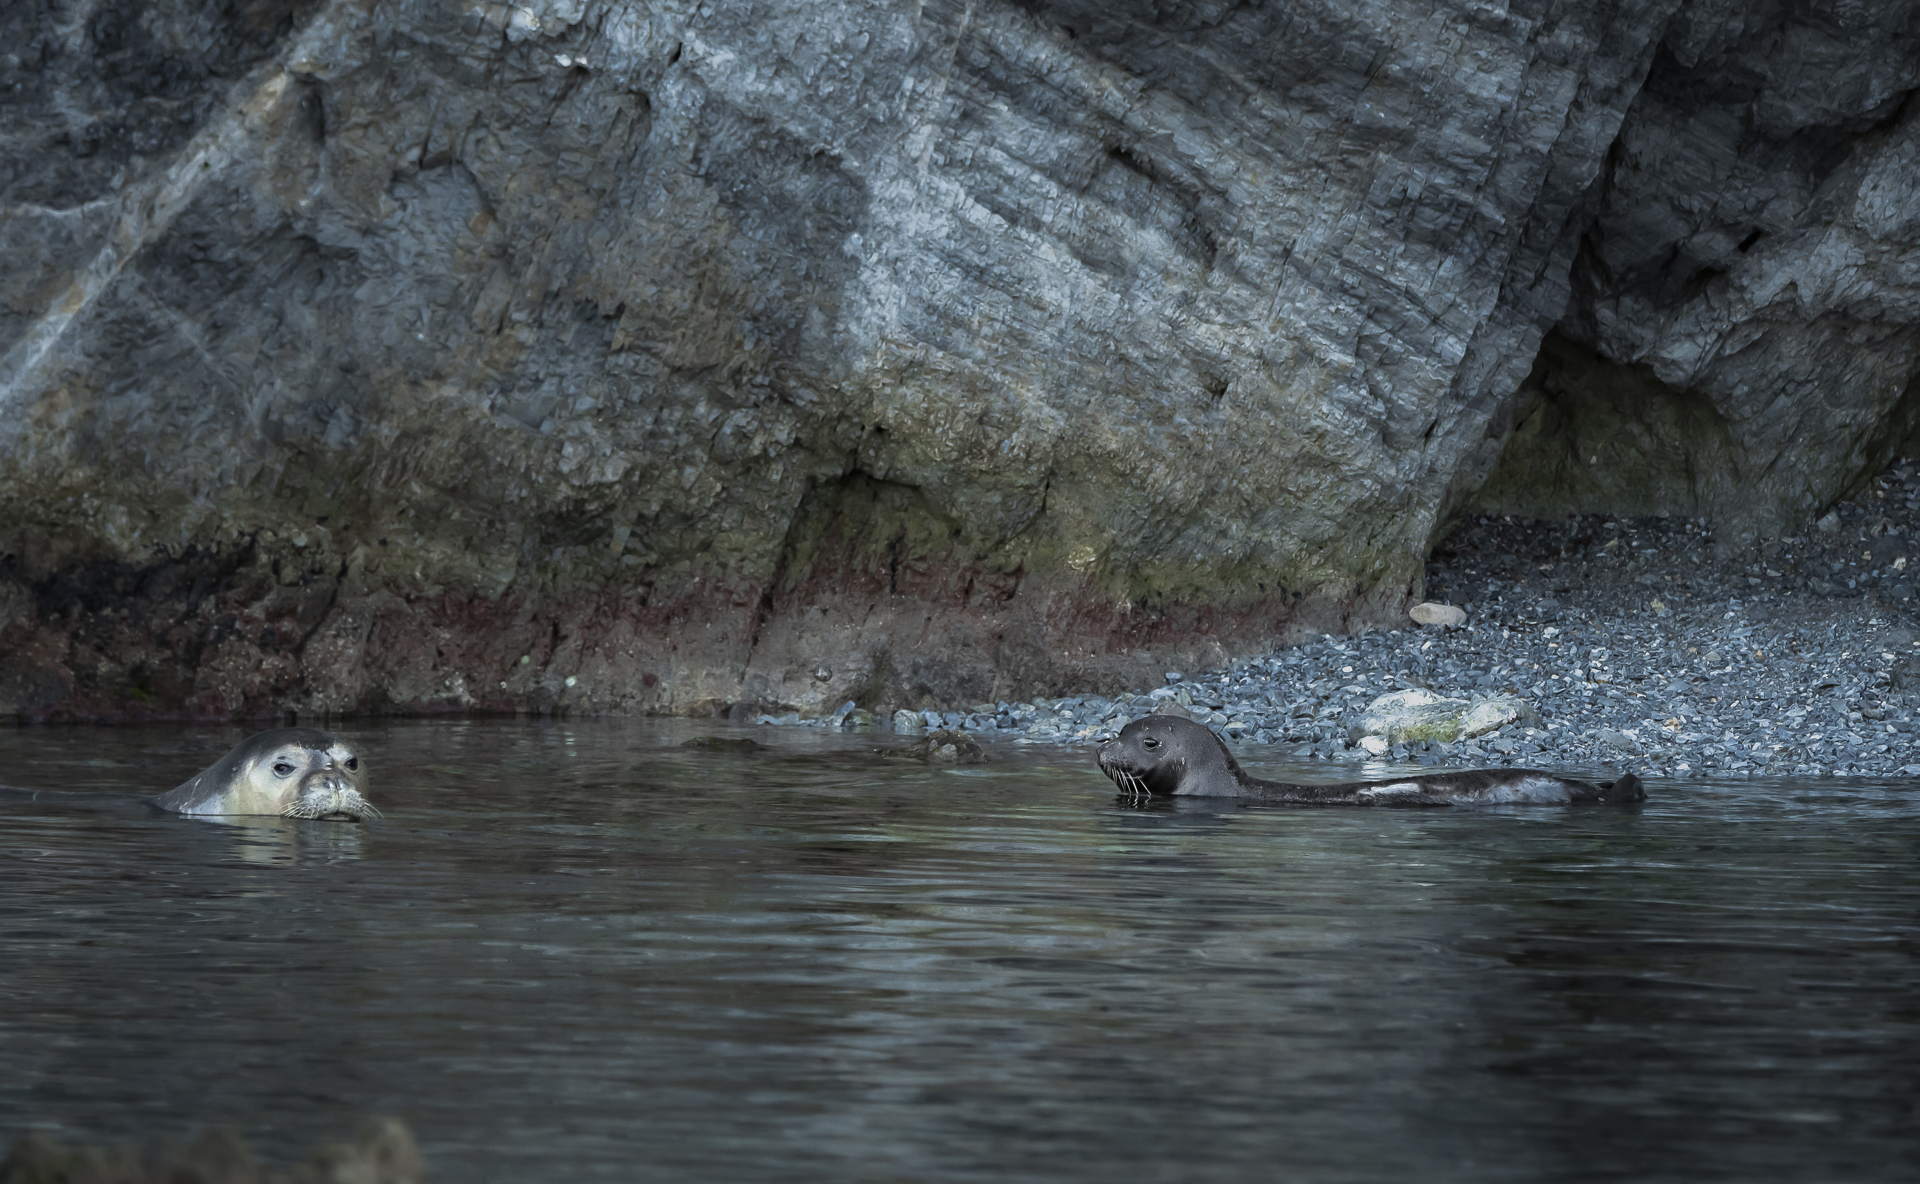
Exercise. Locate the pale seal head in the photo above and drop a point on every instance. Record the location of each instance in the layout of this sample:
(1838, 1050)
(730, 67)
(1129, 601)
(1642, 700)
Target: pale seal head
(292, 772)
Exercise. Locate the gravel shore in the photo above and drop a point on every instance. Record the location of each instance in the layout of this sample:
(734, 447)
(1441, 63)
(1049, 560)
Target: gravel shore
(1640, 643)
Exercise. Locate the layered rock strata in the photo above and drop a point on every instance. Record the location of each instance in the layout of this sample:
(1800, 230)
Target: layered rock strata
(608, 357)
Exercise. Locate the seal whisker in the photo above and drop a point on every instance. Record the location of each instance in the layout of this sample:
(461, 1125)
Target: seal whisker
(1129, 784)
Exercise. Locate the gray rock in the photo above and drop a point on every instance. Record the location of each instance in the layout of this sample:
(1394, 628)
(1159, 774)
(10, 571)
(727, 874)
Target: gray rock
(1620, 741)
(1430, 613)
(1487, 715)
(1726, 264)
(953, 351)
(1415, 715)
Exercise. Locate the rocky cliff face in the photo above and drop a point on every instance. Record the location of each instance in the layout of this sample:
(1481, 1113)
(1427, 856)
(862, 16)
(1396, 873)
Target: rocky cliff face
(601, 356)
(1744, 333)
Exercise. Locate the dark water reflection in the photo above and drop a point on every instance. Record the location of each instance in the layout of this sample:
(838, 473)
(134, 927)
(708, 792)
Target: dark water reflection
(582, 952)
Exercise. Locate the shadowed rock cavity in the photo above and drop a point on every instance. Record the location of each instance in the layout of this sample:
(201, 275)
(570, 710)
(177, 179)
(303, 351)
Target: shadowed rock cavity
(588, 356)
(1743, 338)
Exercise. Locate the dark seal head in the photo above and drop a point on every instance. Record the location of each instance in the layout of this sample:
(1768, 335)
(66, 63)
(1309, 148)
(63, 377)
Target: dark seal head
(291, 772)
(1168, 755)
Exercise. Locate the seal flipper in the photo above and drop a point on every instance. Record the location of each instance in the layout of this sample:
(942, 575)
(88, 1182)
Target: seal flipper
(1627, 788)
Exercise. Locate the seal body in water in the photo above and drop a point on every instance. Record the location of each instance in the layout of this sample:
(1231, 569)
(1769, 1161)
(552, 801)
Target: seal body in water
(1171, 755)
(293, 772)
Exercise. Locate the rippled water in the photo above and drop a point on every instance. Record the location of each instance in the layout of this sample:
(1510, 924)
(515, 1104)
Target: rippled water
(584, 952)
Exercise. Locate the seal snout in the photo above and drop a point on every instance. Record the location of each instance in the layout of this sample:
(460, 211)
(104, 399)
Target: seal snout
(1125, 774)
(338, 802)
(327, 780)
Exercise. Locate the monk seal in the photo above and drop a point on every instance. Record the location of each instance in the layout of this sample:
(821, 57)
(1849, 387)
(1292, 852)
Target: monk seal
(1171, 755)
(292, 772)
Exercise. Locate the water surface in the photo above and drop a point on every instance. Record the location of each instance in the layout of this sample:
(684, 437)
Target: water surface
(585, 952)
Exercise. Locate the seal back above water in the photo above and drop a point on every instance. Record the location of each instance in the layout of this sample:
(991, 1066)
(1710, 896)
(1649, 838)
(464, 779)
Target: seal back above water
(292, 772)
(1174, 756)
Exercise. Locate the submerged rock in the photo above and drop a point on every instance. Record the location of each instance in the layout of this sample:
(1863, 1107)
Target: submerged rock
(381, 1152)
(734, 744)
(944, 747)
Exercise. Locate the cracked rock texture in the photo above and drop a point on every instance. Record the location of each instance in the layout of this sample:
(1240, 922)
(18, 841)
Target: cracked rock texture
(567, 355)
(1744, 335)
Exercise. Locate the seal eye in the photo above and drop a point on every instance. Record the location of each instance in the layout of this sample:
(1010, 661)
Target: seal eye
(1149, 743)
(282, 768)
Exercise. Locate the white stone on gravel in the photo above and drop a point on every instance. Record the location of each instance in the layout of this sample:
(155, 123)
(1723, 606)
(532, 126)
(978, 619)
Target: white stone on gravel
(1430, 613)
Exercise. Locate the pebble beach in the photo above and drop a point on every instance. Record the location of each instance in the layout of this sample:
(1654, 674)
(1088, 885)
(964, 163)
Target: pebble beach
(1636, 643)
